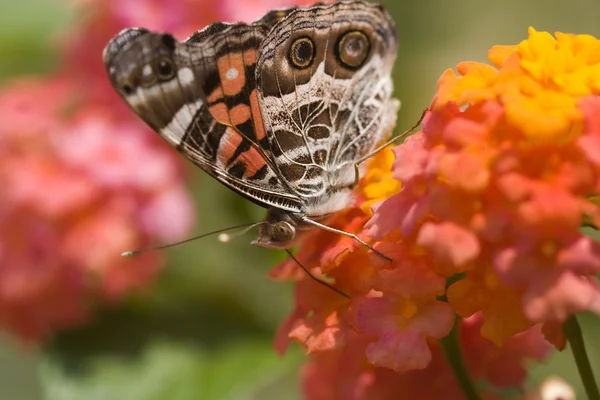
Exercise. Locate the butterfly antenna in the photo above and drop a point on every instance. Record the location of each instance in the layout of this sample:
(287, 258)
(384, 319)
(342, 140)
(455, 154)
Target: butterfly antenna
(226, 238)
(314, 278)
(221, 231)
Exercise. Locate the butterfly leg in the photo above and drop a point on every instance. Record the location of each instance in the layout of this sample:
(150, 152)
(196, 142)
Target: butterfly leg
(386, 144)
(350, 235)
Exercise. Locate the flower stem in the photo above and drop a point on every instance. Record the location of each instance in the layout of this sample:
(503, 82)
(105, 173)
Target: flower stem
(575, 338)
(451, 346)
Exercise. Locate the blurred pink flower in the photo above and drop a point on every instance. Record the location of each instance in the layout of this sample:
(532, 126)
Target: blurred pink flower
(78, 191)
(250, 10)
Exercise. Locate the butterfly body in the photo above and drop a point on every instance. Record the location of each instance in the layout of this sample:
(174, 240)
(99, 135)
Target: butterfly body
(279, 110)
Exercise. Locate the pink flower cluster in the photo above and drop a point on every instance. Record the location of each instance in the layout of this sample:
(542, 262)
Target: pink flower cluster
(83, 179)
(346, 373)
(486, 225)
(78, 190)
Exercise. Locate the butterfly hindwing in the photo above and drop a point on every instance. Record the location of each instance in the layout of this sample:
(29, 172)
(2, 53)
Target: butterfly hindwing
(324, 87)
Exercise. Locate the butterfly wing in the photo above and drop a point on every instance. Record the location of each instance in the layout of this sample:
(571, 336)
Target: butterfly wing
(200, 96)
(324, 86)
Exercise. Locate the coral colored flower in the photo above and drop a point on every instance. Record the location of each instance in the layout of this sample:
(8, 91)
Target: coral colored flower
(501, 307)
(402, 328)
(505, 366)
(499, 181)
(320, 312)
(346, 373)
(493, 193)
(394, 305)
(404, 312)
(75, 197)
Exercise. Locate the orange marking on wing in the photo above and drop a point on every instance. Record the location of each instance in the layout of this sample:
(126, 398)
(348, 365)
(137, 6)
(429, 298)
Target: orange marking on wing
(220, 113)
(250, 57)
(231, 72)
(230, 141)
(252, 160)
(239, 114)
(259, 126)
(216, 95)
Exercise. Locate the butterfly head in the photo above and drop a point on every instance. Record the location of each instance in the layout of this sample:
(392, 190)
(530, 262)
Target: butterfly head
(280, 230)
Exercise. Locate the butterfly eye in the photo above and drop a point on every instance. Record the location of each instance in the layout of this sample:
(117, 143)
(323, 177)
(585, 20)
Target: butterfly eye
(283, 231)
(302, 52)
(165, 69)
(353, 49)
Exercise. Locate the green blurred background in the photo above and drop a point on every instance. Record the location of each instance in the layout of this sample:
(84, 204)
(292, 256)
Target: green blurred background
(205, 330)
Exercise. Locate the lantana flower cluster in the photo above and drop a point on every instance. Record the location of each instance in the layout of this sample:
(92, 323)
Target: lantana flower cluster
(482, 213)
(74, 197)
(83, 180)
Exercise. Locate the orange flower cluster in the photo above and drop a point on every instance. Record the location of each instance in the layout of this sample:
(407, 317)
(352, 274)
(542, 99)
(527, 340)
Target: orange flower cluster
(506, 163)
(494, 193)
(345, 373)
(392, 318)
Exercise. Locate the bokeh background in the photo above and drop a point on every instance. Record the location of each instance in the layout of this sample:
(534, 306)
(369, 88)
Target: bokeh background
(204, 330)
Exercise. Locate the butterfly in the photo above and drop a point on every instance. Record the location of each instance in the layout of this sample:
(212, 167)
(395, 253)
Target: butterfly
(281, 110)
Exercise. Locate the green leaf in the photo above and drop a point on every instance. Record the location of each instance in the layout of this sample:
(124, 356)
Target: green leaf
(251, 370)
(591, 231)
(166, 370)
(29, 39)
(162, 371)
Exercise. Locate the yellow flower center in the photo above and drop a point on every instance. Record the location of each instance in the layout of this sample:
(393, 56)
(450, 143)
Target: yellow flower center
(407, 309)
(378, 183)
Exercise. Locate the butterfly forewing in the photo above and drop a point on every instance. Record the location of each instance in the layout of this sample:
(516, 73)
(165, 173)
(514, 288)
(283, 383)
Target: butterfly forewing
(200, 96)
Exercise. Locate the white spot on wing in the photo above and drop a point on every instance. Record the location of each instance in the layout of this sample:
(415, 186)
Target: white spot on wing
(231, 74)
(186, 76)
(174, 132)
(147, 70)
